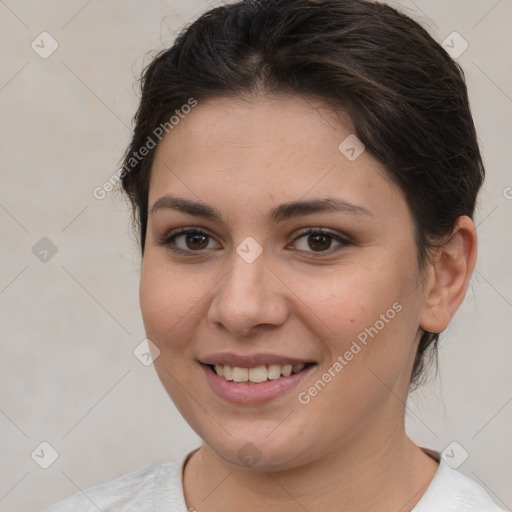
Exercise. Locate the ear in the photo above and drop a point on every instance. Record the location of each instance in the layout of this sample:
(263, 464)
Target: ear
(450, 271)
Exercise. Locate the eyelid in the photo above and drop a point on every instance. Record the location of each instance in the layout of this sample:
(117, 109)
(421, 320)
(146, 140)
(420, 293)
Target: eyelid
(341, 239)
(169, 238)
(323, 231)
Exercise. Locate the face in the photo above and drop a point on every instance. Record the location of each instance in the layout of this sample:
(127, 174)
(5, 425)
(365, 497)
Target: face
(259, 286)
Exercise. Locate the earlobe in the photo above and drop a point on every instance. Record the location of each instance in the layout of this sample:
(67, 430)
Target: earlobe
(451, 269)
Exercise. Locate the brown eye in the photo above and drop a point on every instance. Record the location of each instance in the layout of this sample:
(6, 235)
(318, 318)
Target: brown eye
(196, 240)
(187, 240)
(320, 241)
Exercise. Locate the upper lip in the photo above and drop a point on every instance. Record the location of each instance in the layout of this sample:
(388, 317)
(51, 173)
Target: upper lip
(250, 360)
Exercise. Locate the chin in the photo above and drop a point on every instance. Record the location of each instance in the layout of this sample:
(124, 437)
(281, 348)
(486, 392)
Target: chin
(277, 452)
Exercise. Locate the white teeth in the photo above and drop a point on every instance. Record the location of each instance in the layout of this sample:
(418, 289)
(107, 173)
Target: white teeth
(257, 374)
(240, 374)
(274, 371)
(286, 370)
(228, 372)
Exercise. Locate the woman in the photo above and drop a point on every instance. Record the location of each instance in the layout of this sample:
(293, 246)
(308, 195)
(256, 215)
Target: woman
(303, 175)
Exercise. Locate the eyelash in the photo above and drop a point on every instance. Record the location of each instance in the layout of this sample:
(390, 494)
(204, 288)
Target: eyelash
(168, 240)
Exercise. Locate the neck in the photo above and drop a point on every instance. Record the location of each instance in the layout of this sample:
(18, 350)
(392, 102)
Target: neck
(389, 473)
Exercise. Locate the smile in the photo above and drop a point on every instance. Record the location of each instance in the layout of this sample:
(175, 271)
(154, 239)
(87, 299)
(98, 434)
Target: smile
(257, 374)
(254, 385)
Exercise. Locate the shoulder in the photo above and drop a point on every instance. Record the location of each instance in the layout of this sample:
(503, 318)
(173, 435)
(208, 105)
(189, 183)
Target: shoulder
(139, 490)
(452, 491)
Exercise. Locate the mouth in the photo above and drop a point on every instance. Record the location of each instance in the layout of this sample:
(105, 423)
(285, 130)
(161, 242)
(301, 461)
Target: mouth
(252, 385)
(257, 374)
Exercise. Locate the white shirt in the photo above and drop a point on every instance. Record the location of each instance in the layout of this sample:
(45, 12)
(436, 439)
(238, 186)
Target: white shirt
(159, 488)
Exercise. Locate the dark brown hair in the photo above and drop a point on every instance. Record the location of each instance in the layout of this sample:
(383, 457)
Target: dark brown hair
(406, 97)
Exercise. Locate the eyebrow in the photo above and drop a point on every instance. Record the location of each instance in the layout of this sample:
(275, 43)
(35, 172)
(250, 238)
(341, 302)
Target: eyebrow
(277, 214)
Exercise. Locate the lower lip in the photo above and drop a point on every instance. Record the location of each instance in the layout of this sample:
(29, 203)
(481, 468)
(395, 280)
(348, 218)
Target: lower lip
(252, 393)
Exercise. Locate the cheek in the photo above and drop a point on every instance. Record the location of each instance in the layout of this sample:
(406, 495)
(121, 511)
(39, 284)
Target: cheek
(345, 302)
(169, 308)
(166, 302)
(364, 315)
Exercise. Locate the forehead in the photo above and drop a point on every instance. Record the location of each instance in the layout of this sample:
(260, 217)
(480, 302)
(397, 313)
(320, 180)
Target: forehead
(264, 149)
(276, 129)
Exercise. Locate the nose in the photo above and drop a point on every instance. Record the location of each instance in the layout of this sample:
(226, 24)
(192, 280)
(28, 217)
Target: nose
(249, 298)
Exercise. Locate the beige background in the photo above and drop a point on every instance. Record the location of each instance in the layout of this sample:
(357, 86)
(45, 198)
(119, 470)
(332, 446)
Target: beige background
(69, 326)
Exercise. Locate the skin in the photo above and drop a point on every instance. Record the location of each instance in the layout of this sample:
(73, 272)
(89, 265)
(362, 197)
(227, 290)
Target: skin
(347, 448)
